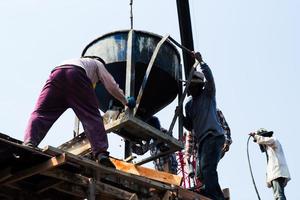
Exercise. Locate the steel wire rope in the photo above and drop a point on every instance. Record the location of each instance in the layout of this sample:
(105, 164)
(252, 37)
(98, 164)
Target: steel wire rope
(249, 163)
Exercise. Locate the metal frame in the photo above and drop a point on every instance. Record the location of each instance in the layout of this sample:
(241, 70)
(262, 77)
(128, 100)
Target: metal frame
(129, 91)
(150, 65)
(130, 82)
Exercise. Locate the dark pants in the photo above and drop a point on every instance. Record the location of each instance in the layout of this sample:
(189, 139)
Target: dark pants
(209, 155)
(67, 88)
(278, 188)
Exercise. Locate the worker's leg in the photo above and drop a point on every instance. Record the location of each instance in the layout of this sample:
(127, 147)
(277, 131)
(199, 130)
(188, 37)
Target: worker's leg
(278, 189)
(50, 105)
(209, 157)
(82, 99)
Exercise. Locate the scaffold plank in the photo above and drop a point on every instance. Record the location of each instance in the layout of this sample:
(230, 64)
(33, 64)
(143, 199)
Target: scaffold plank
(49, 164)
(189, 195)
(104, 171)
(147, 172)
(84, 181)
(134, 129)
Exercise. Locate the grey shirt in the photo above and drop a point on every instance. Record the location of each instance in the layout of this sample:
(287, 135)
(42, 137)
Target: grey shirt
(96, 71)
(201, 111)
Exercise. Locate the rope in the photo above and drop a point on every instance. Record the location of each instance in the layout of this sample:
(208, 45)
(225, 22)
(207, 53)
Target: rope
(253, 181)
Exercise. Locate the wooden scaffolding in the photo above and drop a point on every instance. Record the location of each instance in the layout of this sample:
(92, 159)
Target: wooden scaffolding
(51, 173)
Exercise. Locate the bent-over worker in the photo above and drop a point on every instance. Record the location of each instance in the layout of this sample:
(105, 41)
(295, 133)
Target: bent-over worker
(70, 85)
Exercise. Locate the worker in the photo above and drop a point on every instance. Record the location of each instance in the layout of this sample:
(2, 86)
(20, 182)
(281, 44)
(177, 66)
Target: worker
(227, 132)
(201, 117)
(277, 170)
(167, 163)
(70, 85)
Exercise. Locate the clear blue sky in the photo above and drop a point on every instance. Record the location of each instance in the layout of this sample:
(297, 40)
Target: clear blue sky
(252, 47)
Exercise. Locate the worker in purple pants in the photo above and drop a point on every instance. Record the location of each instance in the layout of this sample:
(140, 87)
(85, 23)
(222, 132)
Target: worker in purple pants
(70, 85)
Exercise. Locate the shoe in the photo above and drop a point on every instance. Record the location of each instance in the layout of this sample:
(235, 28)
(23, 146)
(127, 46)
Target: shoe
(103, 159)
(29, 144)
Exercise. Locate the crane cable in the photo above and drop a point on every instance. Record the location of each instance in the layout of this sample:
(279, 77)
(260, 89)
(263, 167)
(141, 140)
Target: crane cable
(131, 14)
(253, 181)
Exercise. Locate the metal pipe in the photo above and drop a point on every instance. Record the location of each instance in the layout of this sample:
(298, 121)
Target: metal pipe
(186, 32)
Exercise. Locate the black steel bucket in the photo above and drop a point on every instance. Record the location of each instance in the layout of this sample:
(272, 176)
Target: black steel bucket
(162, 86)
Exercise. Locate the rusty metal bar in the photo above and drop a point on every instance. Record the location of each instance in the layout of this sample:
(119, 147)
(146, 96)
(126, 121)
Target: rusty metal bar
(180, 117)
(181, 46)
(150, 158)
(178, 111)
(150, 65)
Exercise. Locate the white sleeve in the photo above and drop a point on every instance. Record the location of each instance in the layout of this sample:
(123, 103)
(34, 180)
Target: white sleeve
(110, 84)
(270, 141)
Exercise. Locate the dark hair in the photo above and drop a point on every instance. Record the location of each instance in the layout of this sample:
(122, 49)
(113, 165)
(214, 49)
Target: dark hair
(97, 58)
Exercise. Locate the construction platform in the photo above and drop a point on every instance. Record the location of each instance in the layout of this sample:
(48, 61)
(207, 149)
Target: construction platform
(51, 173)
(131, 128)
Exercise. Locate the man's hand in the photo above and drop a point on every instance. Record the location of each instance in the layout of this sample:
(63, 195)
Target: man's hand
(178, 110)
(198, 56)
(252, 134)
(226, 147)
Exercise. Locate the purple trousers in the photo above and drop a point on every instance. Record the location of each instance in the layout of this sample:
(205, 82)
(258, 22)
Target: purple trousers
(67, 88)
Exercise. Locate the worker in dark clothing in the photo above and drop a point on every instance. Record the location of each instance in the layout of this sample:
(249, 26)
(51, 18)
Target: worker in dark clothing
(70, 85)
(190, 145)
(201, 117)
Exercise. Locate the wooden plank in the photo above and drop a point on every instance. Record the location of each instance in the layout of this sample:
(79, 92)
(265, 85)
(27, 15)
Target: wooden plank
(147, 172)
(8, 191)
(81, 145)
(104, 171)
(12, 143)
(84, 181)
(51, 163)
(5, 174)
(14, 186)
(155, 133)
(189, 195)
(64, 175)
(46, 185)
(82, 149)
(71, 189)
(135, 127)
(114, 191)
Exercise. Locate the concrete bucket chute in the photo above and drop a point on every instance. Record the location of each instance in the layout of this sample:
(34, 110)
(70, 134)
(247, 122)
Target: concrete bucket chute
(162, 84)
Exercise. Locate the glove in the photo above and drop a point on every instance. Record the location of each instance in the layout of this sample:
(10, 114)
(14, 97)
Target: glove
(131, 102)
(252, 134)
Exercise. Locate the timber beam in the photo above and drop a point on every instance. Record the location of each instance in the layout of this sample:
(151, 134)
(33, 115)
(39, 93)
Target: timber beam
(49, 164)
